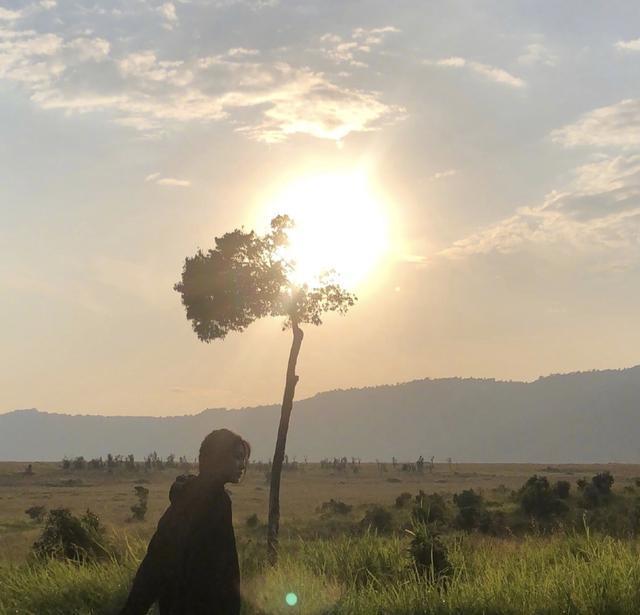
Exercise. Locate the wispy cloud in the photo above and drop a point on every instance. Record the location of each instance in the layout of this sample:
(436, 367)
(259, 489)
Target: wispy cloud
(616, 125)
(486, 71)
(156, 178)
(352, 49)
(168, 12)
(597, 213)
(633, 45)
(266, 100)
(442, 175)
(537, 54)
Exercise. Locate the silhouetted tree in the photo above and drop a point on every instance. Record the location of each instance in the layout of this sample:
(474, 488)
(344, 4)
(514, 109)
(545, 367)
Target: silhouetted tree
(246, 277)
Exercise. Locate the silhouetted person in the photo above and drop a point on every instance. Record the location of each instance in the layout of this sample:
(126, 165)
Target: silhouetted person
(191, 565)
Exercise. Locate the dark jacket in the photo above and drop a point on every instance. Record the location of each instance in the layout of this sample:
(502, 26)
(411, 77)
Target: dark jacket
(191, 565)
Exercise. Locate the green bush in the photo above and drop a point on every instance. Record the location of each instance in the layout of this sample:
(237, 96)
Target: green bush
(470, 509)
(335, 507)
(428, 552)
(66, 536)
(379, 519)
(538, 499)
(429, 508)
(139, 510)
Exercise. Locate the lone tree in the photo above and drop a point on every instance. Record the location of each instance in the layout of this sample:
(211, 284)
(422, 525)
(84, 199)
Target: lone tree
(245, 277)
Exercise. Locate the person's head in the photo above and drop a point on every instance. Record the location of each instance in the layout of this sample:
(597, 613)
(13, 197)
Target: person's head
(223, 456)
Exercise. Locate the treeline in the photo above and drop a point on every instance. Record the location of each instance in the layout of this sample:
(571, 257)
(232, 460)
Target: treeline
(128, 462)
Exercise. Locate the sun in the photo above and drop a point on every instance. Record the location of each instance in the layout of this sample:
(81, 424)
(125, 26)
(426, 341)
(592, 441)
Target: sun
(341, 226)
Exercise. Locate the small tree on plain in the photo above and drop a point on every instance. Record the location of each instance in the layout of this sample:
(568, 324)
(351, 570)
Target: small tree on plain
(139, 510)
(246, 277)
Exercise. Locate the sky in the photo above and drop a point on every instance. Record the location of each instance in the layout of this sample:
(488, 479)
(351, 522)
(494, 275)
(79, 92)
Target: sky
(502, 141)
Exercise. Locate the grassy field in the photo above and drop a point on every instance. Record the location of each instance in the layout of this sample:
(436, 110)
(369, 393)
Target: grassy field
(568, 572)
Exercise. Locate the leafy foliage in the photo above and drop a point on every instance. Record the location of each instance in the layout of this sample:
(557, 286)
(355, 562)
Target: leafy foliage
(246, 277)
(36, 513)
(66, 536)
(139, 510)
(379, 519)
(335, 507)
(538, 499)
(428, 551)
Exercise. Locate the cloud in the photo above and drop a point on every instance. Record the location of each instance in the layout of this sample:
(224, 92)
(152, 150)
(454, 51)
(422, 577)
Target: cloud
(90, 49)
(168, 11)
(277, 100)
(536, 54)
(617, 125)
(144, 90)
(442, 175)
(167, 181)
(9, 15)
(492, 73)
(360, 42)
(633, 45)
(597, 214)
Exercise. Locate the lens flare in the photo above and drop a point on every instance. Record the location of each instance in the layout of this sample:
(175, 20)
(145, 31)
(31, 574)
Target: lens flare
(291, 599)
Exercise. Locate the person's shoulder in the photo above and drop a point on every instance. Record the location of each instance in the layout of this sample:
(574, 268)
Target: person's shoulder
(182, 486)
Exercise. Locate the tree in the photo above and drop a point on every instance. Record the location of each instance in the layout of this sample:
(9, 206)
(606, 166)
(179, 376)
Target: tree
(246, 276)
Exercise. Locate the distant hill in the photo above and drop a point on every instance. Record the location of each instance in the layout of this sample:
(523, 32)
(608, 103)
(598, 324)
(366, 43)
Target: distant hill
(582, 417)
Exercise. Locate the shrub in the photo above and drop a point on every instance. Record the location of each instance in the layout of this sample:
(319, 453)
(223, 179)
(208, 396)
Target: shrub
(470, 509)
(538, 499)
(66, 536)
(562, 489)
(36, 513)
(335, 507)
(428, 552)
(597, 491)
(139, 510)
(252, 521)
(378, 518)
(603, 482)
(429, 508)
(403, 499)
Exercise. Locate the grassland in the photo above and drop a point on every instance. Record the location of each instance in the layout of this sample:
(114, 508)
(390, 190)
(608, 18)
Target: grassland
(562, 572)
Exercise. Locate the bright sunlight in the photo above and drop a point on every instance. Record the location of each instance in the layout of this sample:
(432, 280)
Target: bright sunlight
(341, 225)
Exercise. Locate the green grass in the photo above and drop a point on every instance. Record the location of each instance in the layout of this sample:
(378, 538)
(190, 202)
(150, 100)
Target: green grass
(369, 575)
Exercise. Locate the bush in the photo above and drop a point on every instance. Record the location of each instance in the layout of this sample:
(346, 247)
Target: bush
(470, 509)
(66, 536)
(403, 499)
(562, 489)
(335, 507)
(36, 513)
(378, 518)
(252, 521)
(428, 552)
(597, 491)
(139, 510)
(429, 508)
(603, 483)
(538, 499)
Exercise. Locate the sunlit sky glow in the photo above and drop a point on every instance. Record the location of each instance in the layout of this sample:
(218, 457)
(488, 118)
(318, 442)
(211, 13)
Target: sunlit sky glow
(472, 169)
(341, 227)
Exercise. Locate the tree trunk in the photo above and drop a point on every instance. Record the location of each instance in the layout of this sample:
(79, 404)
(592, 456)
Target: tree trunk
(278, 456)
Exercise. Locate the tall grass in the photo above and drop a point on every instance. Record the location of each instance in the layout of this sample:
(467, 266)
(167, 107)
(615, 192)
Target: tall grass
(372, 575)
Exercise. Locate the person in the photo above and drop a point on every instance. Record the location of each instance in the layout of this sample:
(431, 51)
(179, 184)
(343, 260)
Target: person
(191, 565)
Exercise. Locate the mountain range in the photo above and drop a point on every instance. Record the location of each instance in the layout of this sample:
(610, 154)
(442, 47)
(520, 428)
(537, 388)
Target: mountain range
(583, 417)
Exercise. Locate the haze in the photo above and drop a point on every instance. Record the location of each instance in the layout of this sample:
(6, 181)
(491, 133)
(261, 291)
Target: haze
(500, 142)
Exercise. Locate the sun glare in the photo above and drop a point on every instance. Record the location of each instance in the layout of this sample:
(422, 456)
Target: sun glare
(341, 225)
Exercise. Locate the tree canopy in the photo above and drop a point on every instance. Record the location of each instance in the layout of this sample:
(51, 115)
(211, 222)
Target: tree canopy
(247, 276)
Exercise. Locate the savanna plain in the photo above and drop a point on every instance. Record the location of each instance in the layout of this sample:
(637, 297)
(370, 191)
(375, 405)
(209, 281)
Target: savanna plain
(356, 538)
